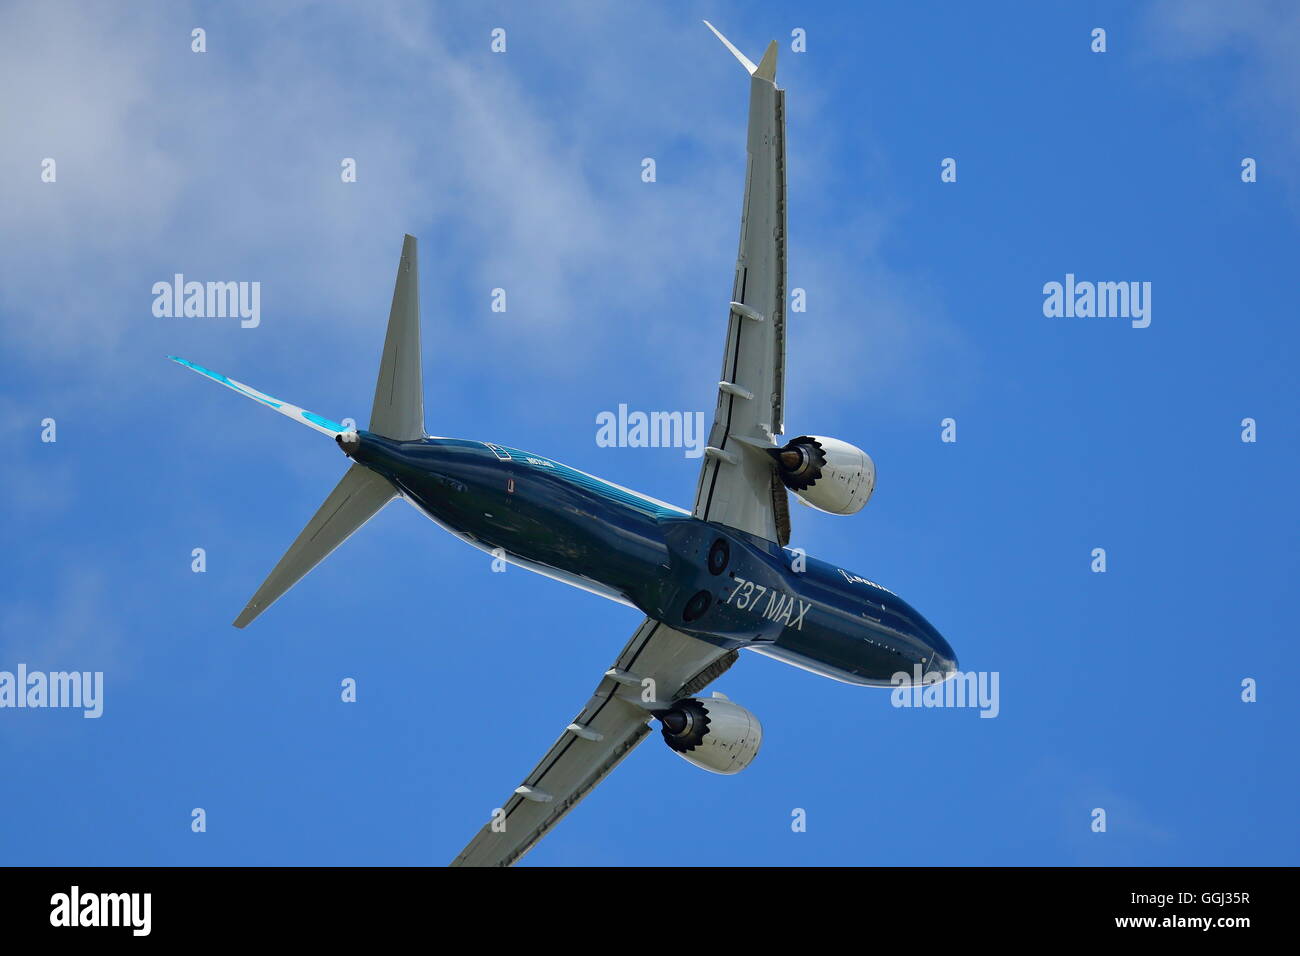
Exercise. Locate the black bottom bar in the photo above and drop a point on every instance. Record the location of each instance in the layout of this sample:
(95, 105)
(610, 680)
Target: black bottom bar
(572, 907)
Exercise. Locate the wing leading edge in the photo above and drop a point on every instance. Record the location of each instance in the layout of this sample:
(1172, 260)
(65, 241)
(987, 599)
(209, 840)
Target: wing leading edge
(608, 728)
(737, 487)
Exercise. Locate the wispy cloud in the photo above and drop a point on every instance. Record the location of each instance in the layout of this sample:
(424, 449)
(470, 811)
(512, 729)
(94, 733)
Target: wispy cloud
(1256, 44)
(229, 160)
(71, 628)
(518, 171)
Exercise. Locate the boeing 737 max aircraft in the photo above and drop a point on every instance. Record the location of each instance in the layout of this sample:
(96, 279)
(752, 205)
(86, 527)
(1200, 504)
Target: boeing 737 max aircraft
(709, 581)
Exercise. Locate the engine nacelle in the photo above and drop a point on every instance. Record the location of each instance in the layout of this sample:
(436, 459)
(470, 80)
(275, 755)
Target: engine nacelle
(826, 473)
(713, 733)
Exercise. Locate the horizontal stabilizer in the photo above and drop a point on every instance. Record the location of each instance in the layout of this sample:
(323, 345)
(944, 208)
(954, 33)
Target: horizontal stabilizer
(321, 424)
(354, 501)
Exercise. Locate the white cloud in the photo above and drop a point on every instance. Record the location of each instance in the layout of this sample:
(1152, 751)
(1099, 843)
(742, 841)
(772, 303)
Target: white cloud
(518, 170)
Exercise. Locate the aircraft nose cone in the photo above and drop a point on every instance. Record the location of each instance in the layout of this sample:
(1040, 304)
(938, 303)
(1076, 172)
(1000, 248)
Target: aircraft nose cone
(943, 660)
(943, 666)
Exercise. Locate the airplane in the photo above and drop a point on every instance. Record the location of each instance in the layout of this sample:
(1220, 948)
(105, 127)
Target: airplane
(709, 582)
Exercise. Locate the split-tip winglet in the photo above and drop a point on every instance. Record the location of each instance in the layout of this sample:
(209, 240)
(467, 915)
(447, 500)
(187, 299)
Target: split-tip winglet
(766, 69)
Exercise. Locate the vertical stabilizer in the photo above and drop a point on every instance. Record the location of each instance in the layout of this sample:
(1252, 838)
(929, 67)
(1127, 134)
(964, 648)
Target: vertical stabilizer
(398, 411)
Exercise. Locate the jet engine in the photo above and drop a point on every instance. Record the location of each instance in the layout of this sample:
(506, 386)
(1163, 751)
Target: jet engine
(714, 734)
(826, 473)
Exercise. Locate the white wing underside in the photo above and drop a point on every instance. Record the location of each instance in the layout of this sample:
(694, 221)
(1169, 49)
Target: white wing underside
(737, 487)
(606, 730)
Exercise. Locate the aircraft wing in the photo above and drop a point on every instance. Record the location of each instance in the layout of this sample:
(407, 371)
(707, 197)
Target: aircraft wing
(612, 723)
(737, 487)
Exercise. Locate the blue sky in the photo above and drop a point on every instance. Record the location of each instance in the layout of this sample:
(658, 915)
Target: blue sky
(522, 171)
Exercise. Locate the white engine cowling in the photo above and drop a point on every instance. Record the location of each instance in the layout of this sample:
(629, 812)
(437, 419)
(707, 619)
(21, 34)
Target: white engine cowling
(826, 473)
(712, 733)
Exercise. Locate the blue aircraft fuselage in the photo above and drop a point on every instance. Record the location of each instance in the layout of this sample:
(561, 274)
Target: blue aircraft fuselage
(707, 580)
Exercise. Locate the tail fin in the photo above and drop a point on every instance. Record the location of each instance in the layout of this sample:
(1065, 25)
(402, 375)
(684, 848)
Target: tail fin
(398, 411)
